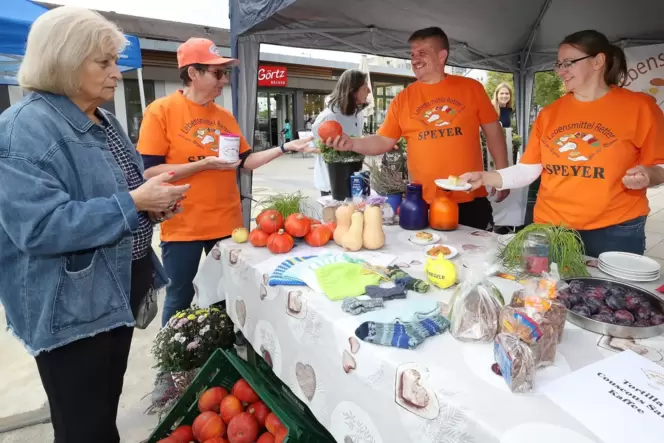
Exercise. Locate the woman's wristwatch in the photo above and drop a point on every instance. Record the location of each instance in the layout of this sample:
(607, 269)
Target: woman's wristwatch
(283, 148)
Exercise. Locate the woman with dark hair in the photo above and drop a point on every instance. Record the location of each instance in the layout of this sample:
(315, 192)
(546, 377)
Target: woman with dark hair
(344, 106)
(598, 149)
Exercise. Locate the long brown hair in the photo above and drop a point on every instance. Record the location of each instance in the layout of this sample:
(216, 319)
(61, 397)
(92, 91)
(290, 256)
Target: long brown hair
(593, 43)
(342, 98)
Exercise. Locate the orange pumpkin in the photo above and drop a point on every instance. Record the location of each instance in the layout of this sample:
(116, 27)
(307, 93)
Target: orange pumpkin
(258, 238)
(208, 425)
(270, 221)
(444, 212)
(318, 236)
(313, 221)
(331, 225)
(329, 129)
(297, 225)
(183, 433)
(280, 242)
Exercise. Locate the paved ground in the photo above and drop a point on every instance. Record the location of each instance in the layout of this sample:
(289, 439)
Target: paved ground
(19, 382)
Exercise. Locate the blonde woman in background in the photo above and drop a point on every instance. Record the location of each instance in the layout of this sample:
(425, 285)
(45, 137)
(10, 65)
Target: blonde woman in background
(503, 102)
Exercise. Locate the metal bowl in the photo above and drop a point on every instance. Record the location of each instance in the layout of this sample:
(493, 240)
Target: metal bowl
(599, 327)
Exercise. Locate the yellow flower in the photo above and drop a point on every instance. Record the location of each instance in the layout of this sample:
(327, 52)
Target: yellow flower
(200, 311)
(191, 317)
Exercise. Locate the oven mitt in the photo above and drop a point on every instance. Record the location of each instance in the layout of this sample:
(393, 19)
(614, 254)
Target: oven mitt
(398, 276)
(341, 280)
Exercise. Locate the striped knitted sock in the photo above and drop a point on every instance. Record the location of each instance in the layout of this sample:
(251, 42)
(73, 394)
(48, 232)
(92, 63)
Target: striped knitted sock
(402, 335)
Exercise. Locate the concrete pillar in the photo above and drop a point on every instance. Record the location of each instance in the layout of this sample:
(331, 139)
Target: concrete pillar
(121, 105)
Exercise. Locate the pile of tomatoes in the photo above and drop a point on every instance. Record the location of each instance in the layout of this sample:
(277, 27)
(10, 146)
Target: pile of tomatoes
(236, 417)
(279, 234)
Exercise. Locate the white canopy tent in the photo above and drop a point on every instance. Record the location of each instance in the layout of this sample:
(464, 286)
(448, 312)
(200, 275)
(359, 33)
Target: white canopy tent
(517, 36)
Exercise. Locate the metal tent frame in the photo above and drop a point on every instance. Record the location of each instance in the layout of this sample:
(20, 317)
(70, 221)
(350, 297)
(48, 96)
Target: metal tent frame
(516, 36)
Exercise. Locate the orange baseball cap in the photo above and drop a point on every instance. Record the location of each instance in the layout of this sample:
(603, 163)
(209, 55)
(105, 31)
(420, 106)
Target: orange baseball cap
(202, 51)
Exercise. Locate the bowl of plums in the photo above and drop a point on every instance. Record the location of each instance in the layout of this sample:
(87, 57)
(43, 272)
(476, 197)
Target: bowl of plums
(612, 308)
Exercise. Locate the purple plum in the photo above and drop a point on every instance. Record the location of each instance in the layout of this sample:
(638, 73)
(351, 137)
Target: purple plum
(634, 301)
(642, 313)
(581, 310)
(656, 319)
(575, 299)
(615, 302)
(593, 304)
(603, 318)
(642, 323)
(576, 287)
(624, 315)
(616, 290)
(605, 310)
(597, 293)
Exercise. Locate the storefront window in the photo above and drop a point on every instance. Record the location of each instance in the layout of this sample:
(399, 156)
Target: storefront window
(133, 104)
(272, 111)
(314, 103)
(384, 93)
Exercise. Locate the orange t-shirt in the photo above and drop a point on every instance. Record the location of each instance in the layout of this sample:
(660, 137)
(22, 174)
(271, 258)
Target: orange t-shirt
(585, 149)
(184, 131)
(441, 123)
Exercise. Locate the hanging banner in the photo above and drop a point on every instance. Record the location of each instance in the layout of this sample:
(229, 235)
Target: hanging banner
(645, 71)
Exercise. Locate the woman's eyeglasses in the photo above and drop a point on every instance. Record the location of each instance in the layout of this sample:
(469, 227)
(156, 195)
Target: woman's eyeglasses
(220, 73)
(569, 63)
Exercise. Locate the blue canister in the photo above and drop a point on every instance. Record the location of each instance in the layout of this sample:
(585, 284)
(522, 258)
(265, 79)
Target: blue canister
(359, 184)
(414, 211)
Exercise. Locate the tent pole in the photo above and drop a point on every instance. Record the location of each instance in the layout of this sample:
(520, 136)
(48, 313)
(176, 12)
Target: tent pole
(139, 74)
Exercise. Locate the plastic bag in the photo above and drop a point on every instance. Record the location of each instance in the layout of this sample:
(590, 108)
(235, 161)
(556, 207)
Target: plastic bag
(538, 301)
(476, 304)
(516, 362)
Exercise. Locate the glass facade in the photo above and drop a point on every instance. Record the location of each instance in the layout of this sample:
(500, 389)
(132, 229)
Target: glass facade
(383, 94)
(314, 103)
(272, 110)
(133, 104)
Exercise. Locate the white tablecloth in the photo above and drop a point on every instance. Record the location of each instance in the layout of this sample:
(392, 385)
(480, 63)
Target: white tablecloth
(471, 403)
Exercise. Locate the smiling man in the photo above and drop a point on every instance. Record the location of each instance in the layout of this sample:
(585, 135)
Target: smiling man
(440, 115)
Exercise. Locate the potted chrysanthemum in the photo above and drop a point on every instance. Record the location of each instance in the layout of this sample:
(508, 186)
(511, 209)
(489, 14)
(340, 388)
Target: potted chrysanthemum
(189, 339)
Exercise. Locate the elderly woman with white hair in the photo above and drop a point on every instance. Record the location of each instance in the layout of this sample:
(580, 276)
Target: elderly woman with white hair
(76, 222)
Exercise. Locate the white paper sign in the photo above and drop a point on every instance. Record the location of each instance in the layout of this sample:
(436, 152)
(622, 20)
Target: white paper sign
(620, 399)
(645, 71)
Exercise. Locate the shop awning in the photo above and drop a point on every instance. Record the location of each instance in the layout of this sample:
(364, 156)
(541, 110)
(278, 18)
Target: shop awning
(16, 17)
(518, 36)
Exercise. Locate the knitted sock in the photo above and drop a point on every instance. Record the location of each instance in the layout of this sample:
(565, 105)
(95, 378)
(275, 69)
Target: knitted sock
(355, 306)
(399, 291)
(400, 277)
(402, 335)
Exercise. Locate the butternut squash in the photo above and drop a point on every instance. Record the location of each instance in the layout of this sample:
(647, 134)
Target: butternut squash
(343, 215)
(352, 240)
(373, 236)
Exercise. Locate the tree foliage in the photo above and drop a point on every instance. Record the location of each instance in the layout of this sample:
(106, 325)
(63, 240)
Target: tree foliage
(548, 86)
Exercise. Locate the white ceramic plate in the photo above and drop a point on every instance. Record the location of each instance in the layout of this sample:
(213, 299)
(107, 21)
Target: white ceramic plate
(629, 262)
(444, 183)
(453, 251)
(623, 276)
(630, 273)
(435, 238)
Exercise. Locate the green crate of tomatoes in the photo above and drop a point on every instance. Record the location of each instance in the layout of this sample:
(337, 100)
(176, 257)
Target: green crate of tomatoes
(232, 401)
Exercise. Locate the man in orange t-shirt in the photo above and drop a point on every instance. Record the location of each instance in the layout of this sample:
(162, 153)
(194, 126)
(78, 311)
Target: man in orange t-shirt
(440, 116)
(181, 133)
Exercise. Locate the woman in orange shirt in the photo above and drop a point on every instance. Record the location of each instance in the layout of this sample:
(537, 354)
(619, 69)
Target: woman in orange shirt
(598, 149)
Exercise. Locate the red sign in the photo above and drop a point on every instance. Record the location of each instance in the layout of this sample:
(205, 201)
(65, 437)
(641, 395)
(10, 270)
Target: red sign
(272, 76)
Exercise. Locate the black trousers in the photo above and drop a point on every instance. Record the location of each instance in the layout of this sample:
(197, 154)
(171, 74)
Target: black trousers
(83, 380)
(477, 214)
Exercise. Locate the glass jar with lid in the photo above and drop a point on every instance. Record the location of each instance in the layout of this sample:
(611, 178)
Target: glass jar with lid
(536, 250)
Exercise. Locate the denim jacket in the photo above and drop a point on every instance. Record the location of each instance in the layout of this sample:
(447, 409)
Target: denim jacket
(66, 223)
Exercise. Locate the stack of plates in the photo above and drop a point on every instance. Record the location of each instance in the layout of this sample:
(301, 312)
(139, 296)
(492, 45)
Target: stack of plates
(631, 267)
